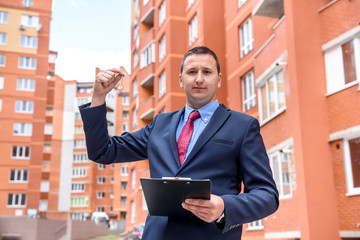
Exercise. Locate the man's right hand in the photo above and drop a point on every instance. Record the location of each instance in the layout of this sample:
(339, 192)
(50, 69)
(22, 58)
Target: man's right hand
(105, 81)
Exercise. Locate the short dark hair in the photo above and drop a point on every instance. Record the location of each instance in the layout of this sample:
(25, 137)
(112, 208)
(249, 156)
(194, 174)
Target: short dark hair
(200, 50)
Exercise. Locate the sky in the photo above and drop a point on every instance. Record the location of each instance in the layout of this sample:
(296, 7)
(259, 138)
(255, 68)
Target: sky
(89, 34)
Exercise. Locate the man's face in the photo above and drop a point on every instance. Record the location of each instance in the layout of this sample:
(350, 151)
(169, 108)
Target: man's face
(200, 80)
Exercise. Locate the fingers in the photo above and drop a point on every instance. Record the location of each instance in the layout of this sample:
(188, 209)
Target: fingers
(206, 210)
(109, 78)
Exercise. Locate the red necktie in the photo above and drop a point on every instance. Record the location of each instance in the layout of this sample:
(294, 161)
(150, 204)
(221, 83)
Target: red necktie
(185, 135)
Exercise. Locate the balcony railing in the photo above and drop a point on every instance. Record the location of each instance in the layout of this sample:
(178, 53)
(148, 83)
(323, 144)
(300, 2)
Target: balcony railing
(146, 108)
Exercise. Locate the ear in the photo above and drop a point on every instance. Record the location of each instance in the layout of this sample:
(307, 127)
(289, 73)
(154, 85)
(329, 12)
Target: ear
(219, 80)
(180, 81)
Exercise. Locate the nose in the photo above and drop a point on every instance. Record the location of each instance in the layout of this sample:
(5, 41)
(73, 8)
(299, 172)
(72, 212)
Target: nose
(199, 77)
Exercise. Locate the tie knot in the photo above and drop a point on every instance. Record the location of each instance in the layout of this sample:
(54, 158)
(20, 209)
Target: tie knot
(194, 115)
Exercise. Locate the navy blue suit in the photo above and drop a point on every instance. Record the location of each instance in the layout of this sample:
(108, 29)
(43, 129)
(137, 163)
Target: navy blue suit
(229, 152)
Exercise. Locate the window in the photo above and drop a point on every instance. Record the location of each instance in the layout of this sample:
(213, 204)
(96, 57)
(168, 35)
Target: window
(125, 114)
(352, 165)
(279, 162)
(44, 186)
(123, 200)
(0, 104)
(123, 185)
(135, 119)
(101, 166)
(123, 215)
(78, 216)
(162, 13)
(16, 200)
(272, 97)
(27, 3)
(246, 37)
(79, 130)
(20, 152)
(124, 170)
(342, 65)
(25, 84)
(79, 201)
(193, 30)
(1, 82)
(256, 225)
(241, 2)
(126, 100)
(101, 180)
(144, 205)
(80, 157)
(27, 63)
(162, 84)
(133, 178)
(3, 17)
(136, 5)
(48, 129)
(125, 127)
(77, 116)
(135, 59)
(147, 56)
(111, 194)
(47, 147)
(80, 143)
(29, 21)
(248, 91)
(82, 101)
(162, 48)
(22, 129)
(24, 106)
(43, 205)
(132, 220)
(2, 60)
(145, 2)
(3, 37)
(100, 195)
(135, 88)
(111, 179)
(28, 41)
(18, 176)
(79, 172)
(77, 187)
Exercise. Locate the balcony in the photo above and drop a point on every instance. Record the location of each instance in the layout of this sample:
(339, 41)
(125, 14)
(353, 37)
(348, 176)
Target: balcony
(146, 108)
(269, 8)
(148, 81)
(147, 13)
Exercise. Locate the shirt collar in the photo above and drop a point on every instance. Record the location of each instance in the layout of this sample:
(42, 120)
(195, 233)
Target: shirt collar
(205, 112)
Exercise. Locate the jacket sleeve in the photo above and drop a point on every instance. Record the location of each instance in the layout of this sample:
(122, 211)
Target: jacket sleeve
(106, 150)
(260, 197)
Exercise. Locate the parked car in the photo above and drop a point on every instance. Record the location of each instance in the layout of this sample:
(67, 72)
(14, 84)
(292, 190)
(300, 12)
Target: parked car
(100, 218)
(136, 233)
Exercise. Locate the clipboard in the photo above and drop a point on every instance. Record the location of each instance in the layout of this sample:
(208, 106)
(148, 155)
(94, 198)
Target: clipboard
(164, 196)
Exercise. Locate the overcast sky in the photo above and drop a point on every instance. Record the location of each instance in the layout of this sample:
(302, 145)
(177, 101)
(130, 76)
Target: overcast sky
(88, 34)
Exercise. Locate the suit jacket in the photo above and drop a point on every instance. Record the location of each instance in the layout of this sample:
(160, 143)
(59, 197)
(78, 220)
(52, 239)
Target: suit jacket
(230, 151)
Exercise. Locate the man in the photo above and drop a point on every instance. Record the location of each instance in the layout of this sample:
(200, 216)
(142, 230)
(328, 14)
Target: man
(225, 147)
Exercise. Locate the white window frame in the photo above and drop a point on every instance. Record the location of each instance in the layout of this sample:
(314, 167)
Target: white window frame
(248, 91)
(162, 84)
(0, 104)
(271, 77)
(27, 63)
(3, 38)
(21, 152)
(2, 60)
(135, 91)
(162, 13)
(193, 30)
(19, 176)
(78, 172)
(126, 114)
(124, 185)
(123, 200)
(80, 157)
(246, 37)
(190, 3)
(255, 225)
(334, 65)
(77, 187)
(29, 21)
(351, 190)
(25, 84)
(135, 122)
(79, 143)
(162, 48)
(124, 170)
(82, 201)
(135, 59)
(18, 200)
(28, 41)
(27, 3)
(126, 100)
(133, 211)
(1, 82)
(147, 55)
(44, 186)
(125, 127)
(100, 195)
(282, 182)
(145, 2)
(101, 180)
(23, 106)
(133, 178)
(3, 17)
(22, 129)
(43, 205)
(101, 166)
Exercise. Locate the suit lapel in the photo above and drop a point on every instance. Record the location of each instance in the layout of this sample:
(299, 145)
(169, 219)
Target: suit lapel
(172, 135)
(216, 121)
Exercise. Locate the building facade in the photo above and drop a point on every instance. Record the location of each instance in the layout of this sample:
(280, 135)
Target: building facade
(25, 128)
(295, 66)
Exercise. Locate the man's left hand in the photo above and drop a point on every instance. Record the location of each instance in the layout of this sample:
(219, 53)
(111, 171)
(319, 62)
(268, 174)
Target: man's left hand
(206, 210)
